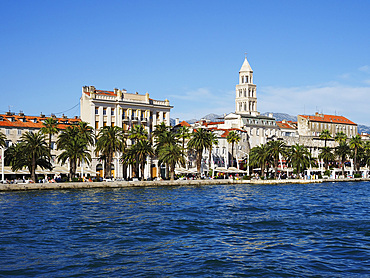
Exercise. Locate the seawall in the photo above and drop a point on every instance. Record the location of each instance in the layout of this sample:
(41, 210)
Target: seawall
(122, 184)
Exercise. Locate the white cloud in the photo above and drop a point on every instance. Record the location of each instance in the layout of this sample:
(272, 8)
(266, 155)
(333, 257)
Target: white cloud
(200, 102)
(365, 68)
(351, 102)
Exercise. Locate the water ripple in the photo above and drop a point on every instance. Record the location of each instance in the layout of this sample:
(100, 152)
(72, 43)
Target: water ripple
(315, 230)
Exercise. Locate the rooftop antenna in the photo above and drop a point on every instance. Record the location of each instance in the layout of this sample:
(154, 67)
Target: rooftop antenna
(9, 106)
(245, 55)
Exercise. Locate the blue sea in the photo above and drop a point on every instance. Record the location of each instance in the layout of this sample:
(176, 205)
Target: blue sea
(311, 230)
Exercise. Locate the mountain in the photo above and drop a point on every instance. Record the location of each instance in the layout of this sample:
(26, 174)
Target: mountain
(364, 129)
(281, 116)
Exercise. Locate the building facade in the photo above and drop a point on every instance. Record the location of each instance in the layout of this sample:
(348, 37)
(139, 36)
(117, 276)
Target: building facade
(119, 108)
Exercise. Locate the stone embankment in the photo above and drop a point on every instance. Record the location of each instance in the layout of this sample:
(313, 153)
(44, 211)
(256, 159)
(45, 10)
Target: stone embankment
(122, 184)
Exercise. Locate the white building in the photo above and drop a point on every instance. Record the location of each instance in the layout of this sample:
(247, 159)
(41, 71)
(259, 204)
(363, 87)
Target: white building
(118, 108)
(260, 129)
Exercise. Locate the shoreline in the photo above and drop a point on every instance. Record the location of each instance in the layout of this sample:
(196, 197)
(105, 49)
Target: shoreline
(125, 184)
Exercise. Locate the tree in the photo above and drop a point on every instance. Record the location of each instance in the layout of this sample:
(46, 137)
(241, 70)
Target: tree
(342, 151)
(183, 133)
(136, 134)
(110, 140)
(160, 129)
(86, 132)
(31, 152)
(141, 150)
(75, 148)
(50, 127)
(299, 157)
(232, 138)
(355, 143)
(2, 140)
(367, 153)
(258, 157)
(171, 154)
(276, 148)
(327, 155)
(325, 135)
(199, 141)
(214, 141)
(340, 137)
(162, 140)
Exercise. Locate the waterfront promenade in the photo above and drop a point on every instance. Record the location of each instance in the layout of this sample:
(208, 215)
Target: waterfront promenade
(122, 184)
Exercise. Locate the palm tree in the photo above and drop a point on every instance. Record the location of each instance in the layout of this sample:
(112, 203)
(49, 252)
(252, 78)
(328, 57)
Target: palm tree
(367, 153)
(110, 140)
(161, 128)
(2, 139)
(258, 157)
(86, 132)
(327, 155)
(325, 134)
(141, 150)
(50, 127)
(355, 143)
(31, 152)
(199, 141)
(232, 138)
(299, 157)
(183, 133)
(162, 140)
(342, 151)
(340, 137)
(75, 148)
(276, 148)
(137, 132)
(171, 154)
(214, 141)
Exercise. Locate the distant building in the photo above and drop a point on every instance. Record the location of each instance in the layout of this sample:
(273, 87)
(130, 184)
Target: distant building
(260, 129)
(118, 108)
(314, 125)
(15, 125)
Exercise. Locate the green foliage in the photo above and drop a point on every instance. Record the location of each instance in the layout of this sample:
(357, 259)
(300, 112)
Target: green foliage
(30, 153)
(50, 127)
(327, 155)
(299, 158)
(325, 135)
(199, 141)
(232, 138)
(74, 142)
(275, 149)
(2, 139)
(110, 140)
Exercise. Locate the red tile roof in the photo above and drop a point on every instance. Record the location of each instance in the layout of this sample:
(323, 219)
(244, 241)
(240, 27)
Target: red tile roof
(288, 124)
(328, 119)
(36, 122)
(183, 123)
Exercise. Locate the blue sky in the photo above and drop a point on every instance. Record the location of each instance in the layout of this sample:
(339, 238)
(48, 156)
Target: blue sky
(307, 56)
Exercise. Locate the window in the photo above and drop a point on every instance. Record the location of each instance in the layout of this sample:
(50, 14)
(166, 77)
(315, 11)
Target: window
(112, 112)
(96, 125)
(7, 131)
(104, 123)
(104, 111)
(96, 110)
(112, 124)
(19, 131)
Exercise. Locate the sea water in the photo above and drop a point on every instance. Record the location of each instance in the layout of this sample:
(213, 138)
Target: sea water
(294, 230)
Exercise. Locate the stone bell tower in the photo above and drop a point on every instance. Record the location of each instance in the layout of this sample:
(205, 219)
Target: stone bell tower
(246, 93)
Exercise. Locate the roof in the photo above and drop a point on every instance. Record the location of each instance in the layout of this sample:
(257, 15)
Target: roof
(287, 124)
(36, 122)
(245, 66)
(328, 119)
(183, 123)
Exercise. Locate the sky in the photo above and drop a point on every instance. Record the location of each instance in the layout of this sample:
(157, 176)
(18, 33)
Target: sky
(307, 56)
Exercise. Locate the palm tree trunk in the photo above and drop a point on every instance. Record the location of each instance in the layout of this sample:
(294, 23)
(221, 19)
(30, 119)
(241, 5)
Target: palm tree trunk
(232, 154)
(209, 159)
(172, 171)
(142, 170)
(199, 162)
(33, 169)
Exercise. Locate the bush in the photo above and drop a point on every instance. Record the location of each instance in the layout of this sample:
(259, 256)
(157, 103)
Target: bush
(357, 176)
(327, 173)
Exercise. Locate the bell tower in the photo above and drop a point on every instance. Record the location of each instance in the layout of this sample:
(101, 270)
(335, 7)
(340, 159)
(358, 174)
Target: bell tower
(246, 94)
